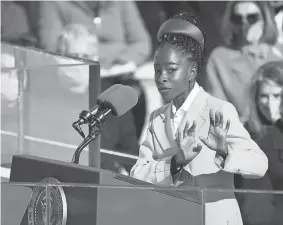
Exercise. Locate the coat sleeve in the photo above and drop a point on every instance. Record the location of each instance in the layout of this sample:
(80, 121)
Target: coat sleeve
(149, 169)
(50, 25)
(244, 157)
(136, 35)
(213, 83)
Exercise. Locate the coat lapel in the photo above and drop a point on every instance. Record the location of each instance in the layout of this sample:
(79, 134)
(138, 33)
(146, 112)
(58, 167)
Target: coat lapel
(163, 130)
(163, 134)
(196, 111)
(169, 127)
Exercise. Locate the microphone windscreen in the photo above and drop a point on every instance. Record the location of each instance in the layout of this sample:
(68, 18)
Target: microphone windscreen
(105, 95)
(121, 100)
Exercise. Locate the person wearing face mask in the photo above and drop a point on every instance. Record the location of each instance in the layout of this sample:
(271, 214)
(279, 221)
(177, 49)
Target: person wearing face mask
(264, 98)
(119, 134)
(265, 94)
(249, 32)
(272, 144)
(123, 40)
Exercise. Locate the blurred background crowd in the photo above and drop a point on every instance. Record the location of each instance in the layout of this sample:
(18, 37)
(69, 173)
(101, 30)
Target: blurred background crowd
(244, 65)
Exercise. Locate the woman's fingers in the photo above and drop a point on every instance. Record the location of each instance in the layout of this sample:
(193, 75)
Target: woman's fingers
(179, 136)
(227, 126)
(221, 119)
(191, 131)
(186, 129)
(211, 118)
(217, 118)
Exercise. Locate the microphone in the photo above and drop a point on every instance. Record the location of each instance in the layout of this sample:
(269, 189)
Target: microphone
(116, 101)
(85, 116)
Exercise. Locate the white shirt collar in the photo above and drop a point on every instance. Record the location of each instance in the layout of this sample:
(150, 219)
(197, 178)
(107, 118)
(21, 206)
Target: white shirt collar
(188, 102)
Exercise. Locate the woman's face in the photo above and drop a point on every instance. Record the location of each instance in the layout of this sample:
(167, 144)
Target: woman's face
(269, 99)
(172, 73)
(248, 22)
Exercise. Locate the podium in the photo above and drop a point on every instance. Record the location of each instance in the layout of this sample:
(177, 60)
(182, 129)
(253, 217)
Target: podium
(100, 197)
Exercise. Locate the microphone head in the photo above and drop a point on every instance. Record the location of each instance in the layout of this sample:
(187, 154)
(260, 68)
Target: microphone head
(120, 99)
(105, 95)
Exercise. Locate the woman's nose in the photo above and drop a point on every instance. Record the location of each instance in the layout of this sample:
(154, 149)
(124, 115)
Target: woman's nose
(163, 78)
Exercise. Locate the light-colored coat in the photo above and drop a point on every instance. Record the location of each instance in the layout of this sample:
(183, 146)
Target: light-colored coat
(246, 158)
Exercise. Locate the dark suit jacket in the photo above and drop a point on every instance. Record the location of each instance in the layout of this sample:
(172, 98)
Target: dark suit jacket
(272, 145)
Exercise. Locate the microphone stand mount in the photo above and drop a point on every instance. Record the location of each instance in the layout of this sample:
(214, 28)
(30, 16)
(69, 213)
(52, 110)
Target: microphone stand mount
(95, 123)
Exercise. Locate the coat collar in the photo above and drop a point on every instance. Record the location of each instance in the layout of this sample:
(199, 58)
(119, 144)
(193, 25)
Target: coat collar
(163, 127)
(196, 108)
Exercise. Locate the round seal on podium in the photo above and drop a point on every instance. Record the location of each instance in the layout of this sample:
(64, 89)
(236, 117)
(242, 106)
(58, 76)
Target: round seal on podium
(38, 205)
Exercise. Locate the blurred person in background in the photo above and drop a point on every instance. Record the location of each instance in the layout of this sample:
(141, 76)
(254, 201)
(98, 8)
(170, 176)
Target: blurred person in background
(250, 34)
(15, 26)
(9, 80)
(278, 7)
(272, 144)
(265, 97)
(78, 41)
(123, 38)
(119, 134)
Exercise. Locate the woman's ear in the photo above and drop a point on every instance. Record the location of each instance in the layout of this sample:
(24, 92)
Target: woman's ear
(193, 72)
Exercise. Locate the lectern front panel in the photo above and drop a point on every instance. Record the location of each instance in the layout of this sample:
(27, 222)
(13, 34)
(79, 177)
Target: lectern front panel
(99, 197)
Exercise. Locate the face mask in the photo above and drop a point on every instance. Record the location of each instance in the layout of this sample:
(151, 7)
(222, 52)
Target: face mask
(242, 33)
(248, 31)
(271, 111)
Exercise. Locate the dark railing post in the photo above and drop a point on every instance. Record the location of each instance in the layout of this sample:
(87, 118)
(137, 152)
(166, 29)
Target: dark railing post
(94, 91)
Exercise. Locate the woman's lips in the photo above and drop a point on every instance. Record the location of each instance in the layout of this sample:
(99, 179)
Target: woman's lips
(163, 90)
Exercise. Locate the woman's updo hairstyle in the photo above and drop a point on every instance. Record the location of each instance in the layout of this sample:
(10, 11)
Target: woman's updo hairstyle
(186, 36)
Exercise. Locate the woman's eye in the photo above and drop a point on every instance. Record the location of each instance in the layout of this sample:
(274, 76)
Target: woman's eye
(171, 70)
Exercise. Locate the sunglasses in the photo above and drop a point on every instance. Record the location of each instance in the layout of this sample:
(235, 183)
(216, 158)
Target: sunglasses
(249, 18)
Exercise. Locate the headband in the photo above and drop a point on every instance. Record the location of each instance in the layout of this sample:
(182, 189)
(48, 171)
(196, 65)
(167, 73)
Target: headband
(180, 26)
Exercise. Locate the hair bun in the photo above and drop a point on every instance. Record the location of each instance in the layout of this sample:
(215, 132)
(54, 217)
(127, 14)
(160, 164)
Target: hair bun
(188, 17)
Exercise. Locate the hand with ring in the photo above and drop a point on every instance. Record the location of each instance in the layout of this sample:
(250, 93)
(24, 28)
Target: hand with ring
(188, 146)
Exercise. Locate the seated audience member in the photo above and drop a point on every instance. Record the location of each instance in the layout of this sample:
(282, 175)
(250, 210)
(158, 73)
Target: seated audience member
(123, 38)
(265, 98)
(250, 34)
(119, 133)
(272, 144)
(14, 25)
